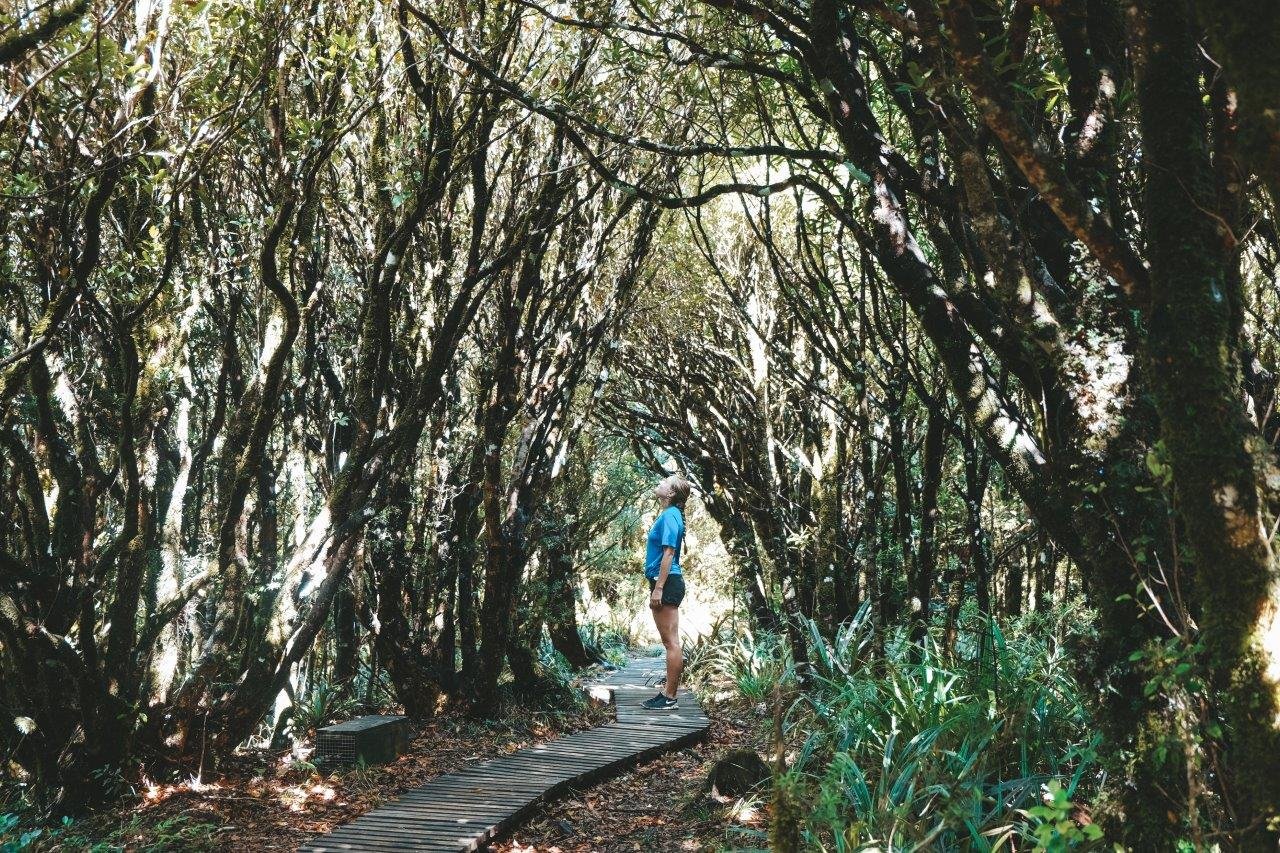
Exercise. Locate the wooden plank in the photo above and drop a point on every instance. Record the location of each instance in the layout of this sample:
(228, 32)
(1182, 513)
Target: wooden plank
(368, 844)
(408, 836)
(412, 834)
(569, 751)
(484, 784)
(417, 832)
(428, 817)
(484, 787)
(663, 725)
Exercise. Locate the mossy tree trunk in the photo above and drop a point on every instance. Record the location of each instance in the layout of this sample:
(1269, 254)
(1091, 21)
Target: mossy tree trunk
(1218, 459)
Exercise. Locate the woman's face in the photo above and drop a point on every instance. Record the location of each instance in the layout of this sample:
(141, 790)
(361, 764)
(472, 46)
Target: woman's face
(662, 491)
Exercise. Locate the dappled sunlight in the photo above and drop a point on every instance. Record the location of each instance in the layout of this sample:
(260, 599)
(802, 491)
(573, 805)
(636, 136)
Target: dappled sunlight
(153, 793)
(1104, 370)
(296, 797)
(1270, 645)
(748, 812)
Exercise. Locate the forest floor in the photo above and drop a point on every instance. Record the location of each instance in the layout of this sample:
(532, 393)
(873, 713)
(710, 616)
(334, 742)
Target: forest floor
(267, 800)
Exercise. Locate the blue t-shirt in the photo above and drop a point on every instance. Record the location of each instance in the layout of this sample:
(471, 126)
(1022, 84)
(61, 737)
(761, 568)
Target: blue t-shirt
(668, 529)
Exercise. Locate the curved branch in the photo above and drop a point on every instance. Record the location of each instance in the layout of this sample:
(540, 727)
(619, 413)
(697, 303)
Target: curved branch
(17, 46)
(1046, 176)
(561, 116)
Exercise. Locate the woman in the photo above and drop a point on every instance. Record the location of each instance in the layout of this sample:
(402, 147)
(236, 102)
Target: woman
(666, 582)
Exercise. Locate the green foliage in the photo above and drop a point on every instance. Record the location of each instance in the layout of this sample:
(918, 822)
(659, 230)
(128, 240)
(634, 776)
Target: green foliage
(170, 834)
(788, 813)
(557, 671)
(753, 662)
(1052, 825)
(1171, 666)
(324, 703)
(927, 748)
(13, 837)
(1159, 464)
(140, 831)
(610, 640)
(375, 690)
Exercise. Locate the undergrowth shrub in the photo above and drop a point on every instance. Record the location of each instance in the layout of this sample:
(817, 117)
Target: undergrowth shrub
(323, 704)
(981, 747)
(753, 663)
(612, 641)
(138, 831)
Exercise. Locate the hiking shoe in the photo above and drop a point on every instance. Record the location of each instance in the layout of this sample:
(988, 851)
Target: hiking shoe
(661, 702)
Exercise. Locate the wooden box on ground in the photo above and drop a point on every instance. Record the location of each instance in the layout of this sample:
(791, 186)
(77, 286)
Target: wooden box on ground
(373, 739)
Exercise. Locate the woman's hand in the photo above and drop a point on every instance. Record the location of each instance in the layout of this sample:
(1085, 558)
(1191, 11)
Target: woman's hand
(655, 598)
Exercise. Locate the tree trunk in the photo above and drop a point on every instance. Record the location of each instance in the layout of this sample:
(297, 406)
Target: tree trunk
(345, 648)
(903, 514)
(927, 564)
(1217, 456)
(562, 618)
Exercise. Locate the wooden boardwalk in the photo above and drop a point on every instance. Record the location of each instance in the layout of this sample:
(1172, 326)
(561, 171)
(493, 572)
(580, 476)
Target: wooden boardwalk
(467, 809)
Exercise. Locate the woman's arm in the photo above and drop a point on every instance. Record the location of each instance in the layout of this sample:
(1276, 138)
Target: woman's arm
(664, 569)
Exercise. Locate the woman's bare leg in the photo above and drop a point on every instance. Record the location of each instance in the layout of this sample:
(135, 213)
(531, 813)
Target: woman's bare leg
(667, 619)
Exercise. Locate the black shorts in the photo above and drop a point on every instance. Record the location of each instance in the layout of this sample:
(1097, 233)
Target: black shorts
(672, 590)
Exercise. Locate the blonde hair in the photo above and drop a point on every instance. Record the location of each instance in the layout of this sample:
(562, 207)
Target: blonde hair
(680, 489)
